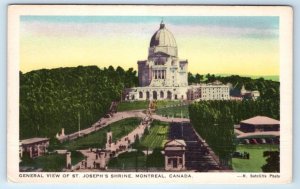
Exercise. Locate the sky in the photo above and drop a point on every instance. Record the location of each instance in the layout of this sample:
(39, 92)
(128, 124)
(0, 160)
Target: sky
(211, 44)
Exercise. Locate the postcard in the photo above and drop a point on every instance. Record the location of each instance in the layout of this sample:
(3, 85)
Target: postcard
(149, 94)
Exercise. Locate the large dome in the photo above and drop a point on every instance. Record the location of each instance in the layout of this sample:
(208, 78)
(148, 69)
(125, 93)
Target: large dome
(163, 41)
(163, 38)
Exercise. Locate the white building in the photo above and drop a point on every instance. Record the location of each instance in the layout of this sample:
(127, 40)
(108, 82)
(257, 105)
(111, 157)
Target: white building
(250, 94)
(164, 76)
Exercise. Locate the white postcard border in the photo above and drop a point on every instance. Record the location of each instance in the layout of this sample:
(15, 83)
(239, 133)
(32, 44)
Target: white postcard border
(286, 89)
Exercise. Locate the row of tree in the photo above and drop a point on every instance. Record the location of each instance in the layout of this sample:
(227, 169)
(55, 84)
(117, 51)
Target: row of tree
(64, 97)
(214, 121)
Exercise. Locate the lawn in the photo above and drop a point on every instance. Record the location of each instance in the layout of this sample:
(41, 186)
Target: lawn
(166, 103)
(135, 105)
(98, 139)
(256, 160)
(137, 159)
(158, 133)
(177, 111)
(128, 160)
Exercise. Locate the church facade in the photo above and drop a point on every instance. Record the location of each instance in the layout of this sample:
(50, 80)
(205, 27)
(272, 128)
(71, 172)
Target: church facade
(163, 76)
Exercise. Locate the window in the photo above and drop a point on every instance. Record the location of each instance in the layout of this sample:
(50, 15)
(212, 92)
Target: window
(180, 160)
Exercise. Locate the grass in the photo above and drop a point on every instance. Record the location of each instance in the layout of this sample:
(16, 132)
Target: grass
(166, 103)
(138, 105)
(49, 163)
(135, 105)
(98, 139)
(158, 133)
(176, 111)
(256, 160)
(128, 160)
(76, 157)
(137, 159)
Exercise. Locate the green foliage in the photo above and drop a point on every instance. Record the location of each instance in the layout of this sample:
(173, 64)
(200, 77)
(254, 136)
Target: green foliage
(52, 99)
(195, 78)
(98, 139)
(128, 160)
(214, 120)
(256, 161)
(156, 159)
(273, 162)
(49, 163)
(76, 157)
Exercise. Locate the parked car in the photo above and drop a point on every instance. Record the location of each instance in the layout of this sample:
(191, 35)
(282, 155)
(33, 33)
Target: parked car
(261, 140)
(253, 141)
(246, 141)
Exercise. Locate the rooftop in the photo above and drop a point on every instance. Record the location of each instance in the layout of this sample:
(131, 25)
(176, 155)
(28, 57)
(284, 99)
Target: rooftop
(175, 142)
(33, 140)
(261, 120)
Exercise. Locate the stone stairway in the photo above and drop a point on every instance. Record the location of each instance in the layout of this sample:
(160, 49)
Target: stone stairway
(197, 156)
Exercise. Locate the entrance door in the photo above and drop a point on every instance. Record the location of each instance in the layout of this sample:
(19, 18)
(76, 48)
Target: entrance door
(169, 95)
(174, 163)
(154, 95)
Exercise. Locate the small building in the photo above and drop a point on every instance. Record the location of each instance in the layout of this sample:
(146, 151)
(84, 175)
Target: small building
(259, 124)
(175, 155)
(246, 94)
(35, 147)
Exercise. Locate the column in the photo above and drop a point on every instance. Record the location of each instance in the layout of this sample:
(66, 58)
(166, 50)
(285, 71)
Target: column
(166, 163)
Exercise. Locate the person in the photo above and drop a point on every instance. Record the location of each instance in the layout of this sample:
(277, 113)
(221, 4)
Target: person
(94, 164)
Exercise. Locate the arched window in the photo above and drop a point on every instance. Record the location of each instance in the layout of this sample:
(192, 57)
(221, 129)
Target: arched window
(154, 95)
(141, 94)
(161, 94)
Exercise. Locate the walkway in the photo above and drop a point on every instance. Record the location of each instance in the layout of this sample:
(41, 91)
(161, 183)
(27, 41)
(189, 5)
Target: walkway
(103, 122)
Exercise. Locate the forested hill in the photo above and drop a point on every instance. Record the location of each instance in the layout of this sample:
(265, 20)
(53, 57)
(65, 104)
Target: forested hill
(52, 99)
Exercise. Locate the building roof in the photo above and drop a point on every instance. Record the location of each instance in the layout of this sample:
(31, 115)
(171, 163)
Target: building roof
(175, 142)
(33, 140)
(261, 120)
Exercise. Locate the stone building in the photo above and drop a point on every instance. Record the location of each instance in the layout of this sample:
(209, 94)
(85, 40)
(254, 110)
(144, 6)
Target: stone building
(163, 76)
(175, 155)
(210, 91)
(34, 147)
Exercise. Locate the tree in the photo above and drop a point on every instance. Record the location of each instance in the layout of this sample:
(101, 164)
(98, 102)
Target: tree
(51, 99)
(273, 162)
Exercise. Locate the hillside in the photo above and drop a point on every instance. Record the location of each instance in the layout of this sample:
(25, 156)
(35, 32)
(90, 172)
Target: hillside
(53, 99)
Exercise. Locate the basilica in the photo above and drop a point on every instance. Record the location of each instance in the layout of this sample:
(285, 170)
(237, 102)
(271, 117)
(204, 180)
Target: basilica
(164, 76)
